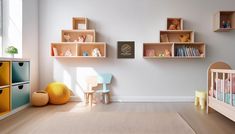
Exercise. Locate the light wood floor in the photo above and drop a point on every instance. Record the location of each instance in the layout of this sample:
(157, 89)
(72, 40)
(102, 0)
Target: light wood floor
(202, 123)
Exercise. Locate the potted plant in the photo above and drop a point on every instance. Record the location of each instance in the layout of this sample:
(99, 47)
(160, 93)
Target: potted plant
(11, 50)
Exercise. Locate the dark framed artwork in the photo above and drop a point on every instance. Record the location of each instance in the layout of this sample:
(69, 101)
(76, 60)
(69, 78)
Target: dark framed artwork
(126, 49)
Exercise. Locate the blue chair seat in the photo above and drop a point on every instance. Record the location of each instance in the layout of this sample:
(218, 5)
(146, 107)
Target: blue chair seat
(102, 91)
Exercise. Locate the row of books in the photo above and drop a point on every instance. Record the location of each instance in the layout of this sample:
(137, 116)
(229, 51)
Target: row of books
(187, 51)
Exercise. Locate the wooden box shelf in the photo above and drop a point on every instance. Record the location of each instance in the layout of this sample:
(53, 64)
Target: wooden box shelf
(78, 49)
(80, 23)
(224, 21)
(89, 47)
(60, 49)
(189, 50)
(175, 23)
(78, 36)
(157, 50)
(174, 35)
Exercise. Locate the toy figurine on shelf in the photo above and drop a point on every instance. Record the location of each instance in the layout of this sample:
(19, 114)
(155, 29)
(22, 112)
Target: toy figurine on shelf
(82, 38)
(174, 24)
(85, 53)
(67, 37)
(226, 24)
(68, 52)
(96, 52)
(184, 38)
(61, 54)
(161, 55)
(167, 53)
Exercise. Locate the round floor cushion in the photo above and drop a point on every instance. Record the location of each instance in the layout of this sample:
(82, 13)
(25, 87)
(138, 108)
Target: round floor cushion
(39, 98)
(58, 93)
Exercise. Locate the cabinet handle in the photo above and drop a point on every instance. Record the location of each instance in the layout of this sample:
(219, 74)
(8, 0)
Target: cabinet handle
(1, 64)
(21, 64)
(1, 91)
(20, 87)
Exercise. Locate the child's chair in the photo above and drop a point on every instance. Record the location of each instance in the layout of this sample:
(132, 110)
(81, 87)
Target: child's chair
(91, 82)
(105, 79)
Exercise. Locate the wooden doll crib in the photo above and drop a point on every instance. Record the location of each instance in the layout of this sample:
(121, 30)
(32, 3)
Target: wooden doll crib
(221, 89)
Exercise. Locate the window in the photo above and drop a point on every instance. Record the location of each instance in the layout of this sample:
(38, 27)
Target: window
(0, 27)
(11, 26)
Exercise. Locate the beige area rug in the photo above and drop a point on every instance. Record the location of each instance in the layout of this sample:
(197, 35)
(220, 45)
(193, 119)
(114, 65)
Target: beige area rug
(114, 123)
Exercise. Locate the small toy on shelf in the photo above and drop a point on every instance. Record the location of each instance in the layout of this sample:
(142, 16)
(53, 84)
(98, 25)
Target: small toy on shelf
(96, 52)
(161, 55)
(184, 38)
(85, 53)
(150, 52)
(164, 38)
(226, 24)
(61, 54)
(68, 52)
(174, 24)
(89, 38)
(82, 38)
(167, 53)
(67, 37)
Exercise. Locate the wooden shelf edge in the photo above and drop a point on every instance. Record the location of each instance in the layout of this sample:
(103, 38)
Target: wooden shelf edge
(180, 57)
(102, 57)
(4, 86)
(78, 30)
(20, 83)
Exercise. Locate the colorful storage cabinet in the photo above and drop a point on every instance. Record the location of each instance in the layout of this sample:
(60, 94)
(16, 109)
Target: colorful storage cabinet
(14, 85)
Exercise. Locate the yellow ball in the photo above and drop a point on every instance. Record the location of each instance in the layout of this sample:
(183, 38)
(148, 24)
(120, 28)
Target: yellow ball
(58, 93)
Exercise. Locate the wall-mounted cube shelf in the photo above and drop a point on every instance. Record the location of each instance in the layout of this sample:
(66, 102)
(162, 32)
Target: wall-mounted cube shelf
(174, 50)
(78, 36)
(80, 23)
(78, 50)
(175, 35)
(224, 21)
(175, 24)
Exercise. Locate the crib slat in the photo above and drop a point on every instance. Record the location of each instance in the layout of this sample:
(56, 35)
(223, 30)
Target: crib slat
(212, 83)
(223, 92)
(230, 88)
(216, 87)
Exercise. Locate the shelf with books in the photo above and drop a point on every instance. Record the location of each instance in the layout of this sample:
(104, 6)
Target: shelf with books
(224, 21)
(189, 50)
(78, 35)
(78, 50)
(174, 50)
(176, 36)
(80, 23)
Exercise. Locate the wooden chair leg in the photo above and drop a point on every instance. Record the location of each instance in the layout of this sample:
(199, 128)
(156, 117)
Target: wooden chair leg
(90, 99)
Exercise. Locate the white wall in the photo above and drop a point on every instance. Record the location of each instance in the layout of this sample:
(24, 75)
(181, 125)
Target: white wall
(30, 39)
(140, 21)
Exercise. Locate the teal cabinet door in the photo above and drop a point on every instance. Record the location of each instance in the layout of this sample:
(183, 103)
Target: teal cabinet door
(20, 71)
(20, 95)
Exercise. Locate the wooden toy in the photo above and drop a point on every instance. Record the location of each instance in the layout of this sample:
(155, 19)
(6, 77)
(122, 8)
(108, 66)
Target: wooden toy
(184, 38)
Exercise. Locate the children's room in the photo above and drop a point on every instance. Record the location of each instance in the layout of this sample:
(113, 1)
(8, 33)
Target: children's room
(117, 67)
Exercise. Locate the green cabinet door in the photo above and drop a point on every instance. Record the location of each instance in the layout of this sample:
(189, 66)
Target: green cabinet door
(20, 95)
(20, 71)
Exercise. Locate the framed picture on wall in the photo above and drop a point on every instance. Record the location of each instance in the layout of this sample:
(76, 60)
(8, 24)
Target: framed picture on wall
(126, 49)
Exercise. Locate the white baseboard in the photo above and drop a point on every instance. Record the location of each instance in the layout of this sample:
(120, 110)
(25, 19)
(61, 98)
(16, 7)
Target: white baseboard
(153, 98)
(14, 111)
(145, 98)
